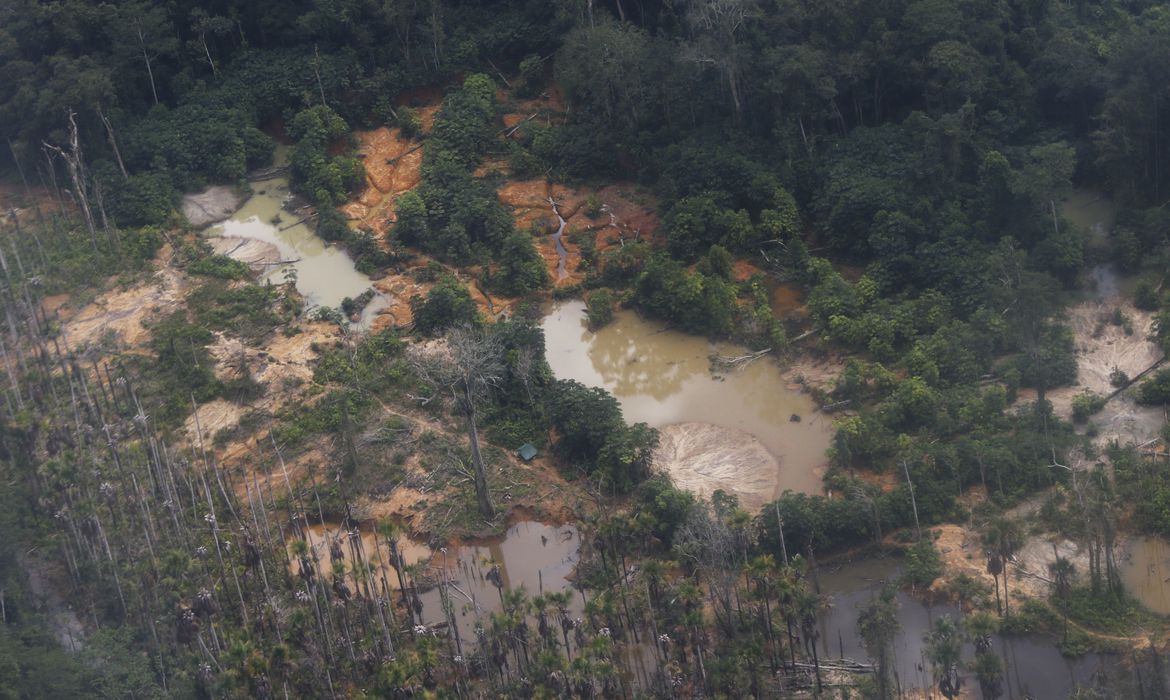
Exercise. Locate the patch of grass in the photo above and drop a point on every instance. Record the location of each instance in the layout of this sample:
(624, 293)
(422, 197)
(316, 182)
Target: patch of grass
(1103, 612)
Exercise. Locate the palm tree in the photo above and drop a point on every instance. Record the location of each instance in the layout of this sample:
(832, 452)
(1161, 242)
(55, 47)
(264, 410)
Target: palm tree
(878, 624)
(808, 607)
(944, 646)
(1003, 538)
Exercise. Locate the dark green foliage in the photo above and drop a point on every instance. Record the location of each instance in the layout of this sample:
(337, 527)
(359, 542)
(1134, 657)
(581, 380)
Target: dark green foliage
(183, 370)
(463, 126)
(1085, 405)
(140, 200)
(693, 301)
(1145, 296)
(245, 311)
(520, 269)
(1054, 363)
(594, 437)
(923, 564)
(327, 180)
(220, 266)
(1155, 391)
(411, 224)
(599, 306)
(698, 222)
(447, 304)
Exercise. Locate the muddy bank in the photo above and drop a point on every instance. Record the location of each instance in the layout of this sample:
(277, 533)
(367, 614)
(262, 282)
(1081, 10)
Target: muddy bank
(703, 458)
(210, 206)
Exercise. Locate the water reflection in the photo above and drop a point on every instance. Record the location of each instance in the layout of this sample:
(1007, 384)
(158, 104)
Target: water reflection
(663, 377)
(1033, 666)
(1145, 572)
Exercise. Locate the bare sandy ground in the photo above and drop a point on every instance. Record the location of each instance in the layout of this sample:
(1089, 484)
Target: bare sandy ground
(212, 205)
(702, 458)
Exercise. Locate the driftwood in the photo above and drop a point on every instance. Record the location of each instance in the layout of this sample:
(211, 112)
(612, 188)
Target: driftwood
(1134, 379)
(267, 173)
(298, 222)
(508, 131)
(729, 362)
(395, 159)
(829, 408)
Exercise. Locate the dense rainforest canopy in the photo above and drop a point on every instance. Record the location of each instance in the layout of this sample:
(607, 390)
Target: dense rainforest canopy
(901, 162)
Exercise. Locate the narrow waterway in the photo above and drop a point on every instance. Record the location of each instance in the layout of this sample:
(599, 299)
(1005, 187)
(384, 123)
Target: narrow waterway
(324, 274)
(664, 378)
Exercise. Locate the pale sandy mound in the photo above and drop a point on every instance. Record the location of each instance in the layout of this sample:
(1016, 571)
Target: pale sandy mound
(121, 313)
(702, 458)
(211, 205)
(1100, 347)
(213, 416)
(258, 255)
(962, 552)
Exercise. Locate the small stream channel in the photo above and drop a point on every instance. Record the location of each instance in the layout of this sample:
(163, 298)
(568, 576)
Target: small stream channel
(325, 274)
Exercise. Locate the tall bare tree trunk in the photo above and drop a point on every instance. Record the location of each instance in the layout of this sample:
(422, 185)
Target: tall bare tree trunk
(113, 142)
(149, 68)
(482, 495)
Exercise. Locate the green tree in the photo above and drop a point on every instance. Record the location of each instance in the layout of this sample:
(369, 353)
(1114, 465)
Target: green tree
(944, 646)
(447, 305)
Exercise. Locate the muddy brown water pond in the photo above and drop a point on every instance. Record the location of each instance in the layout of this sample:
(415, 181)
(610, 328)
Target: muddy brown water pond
(530, 555)
(663, 377)
(1145, 572)
(541, 558)
(324, 274)
(1033, 666)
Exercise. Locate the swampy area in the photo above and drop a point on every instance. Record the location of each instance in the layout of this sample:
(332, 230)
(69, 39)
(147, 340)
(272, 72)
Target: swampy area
(693, 349)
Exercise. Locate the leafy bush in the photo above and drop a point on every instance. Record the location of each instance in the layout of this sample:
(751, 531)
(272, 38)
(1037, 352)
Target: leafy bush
(221, 267)
(521, 270)
(446, 305)
(599, 306)
(923, 564)
(1155, 390)
(694, 301)
(1086, 404)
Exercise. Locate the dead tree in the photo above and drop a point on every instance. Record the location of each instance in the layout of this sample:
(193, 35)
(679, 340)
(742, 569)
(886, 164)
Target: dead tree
(468, 371)
(76, 166)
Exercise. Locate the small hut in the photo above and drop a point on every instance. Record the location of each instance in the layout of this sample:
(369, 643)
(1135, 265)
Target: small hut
(527, 451)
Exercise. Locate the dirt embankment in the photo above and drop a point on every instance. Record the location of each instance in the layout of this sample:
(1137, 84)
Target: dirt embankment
(617, 218)
(393, 165)
(962, 552)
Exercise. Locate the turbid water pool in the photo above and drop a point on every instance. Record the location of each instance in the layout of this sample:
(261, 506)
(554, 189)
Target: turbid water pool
(324, 273)
(663, 377)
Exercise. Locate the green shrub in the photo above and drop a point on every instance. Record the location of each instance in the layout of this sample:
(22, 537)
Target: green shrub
(923, 564)
(1155, 390)
(1086, 404)
(446, 305)
(599, 307)
(1145, 296)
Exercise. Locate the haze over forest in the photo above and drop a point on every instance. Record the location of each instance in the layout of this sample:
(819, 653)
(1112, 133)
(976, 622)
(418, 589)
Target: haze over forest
(584, 348)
